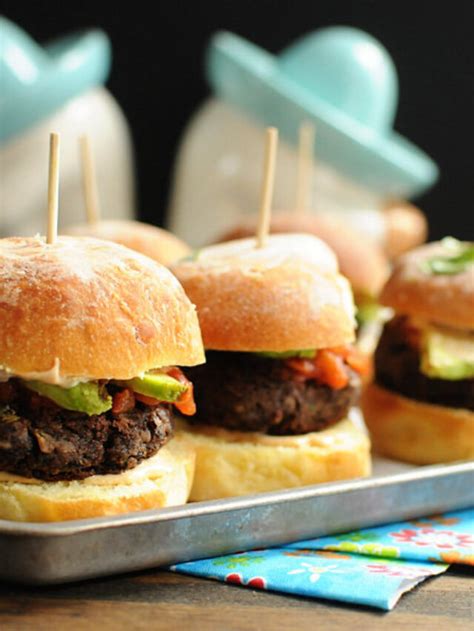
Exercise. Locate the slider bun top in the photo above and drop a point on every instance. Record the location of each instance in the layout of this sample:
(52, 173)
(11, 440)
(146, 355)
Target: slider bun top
(158, 244)
(287, 295)
(89, 309)
(445, 299)
(360, 260)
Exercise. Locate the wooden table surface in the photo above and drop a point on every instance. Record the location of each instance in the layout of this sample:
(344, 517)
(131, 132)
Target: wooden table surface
(162, 600)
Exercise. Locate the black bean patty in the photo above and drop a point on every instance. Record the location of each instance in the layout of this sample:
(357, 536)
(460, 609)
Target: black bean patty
(397, 368)
(41, 440)
(243, 391)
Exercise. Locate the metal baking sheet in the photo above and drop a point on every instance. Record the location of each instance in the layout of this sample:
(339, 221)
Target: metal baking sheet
(61, 552)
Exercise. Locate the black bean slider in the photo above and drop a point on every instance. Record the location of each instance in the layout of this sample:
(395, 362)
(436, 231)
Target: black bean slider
(281, 377)
(421, 407)
(91, 336)
(360, 259)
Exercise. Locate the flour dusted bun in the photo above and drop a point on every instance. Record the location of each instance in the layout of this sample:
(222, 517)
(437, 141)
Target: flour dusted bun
(414, 431)
(163, 480)
(446, 299)
(88, 309)
(362, 262)
(230, 463)
(286, 295)
(158, 244)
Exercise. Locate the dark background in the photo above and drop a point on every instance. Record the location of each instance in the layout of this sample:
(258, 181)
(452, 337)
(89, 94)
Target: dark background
(158, 80)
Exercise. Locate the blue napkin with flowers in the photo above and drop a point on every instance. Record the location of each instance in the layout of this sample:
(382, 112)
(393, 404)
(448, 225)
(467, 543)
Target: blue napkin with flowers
(371, 567)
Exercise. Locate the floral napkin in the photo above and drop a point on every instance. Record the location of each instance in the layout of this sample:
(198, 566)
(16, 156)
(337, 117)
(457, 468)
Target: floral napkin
(371, 567)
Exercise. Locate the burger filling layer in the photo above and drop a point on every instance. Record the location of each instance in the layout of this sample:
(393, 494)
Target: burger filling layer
(426, 363)
(280, 395)
(52, 433)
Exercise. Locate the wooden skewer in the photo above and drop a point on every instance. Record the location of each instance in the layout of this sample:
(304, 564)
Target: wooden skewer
(307, 134)
(89, 180)
(53, 188)
(271, 143)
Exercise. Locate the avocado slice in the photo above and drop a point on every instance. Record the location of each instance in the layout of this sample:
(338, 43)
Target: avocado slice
(305, 353)
(159, 386)
(447, 354)
(368, 311)
(459, 256)
(84, 397)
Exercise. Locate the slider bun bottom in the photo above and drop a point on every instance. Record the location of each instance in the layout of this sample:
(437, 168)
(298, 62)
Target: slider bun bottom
(417, 432)
(230, 463)
(163, 480)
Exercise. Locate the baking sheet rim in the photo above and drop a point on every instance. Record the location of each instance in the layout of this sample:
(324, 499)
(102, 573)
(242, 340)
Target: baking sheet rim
(185, 511)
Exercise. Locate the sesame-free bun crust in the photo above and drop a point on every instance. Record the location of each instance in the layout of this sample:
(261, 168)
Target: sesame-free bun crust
(361, 261)
(286, 295)
(88, 309)
(230, 463)
(158, 244)
(446, 299)
(406, 227)
(417, 432)
(163, 480)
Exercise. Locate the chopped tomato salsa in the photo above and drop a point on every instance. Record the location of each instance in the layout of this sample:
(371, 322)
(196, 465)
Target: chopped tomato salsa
(123, 401)
(329, 366)
(151, 401)
(185, 404)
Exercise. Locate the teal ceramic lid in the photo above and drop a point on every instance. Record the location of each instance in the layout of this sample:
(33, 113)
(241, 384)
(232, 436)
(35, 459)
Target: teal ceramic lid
(344, 81)
(36, 81)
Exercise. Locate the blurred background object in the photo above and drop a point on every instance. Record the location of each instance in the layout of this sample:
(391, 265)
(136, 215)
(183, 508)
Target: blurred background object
(158, 79)
(158, 244)
(406, 227)
(337, 80)
(58, 87)
(150, 240)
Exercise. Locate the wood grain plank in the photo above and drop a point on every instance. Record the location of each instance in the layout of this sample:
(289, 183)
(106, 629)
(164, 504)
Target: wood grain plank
(48, 614)
(161, 600)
